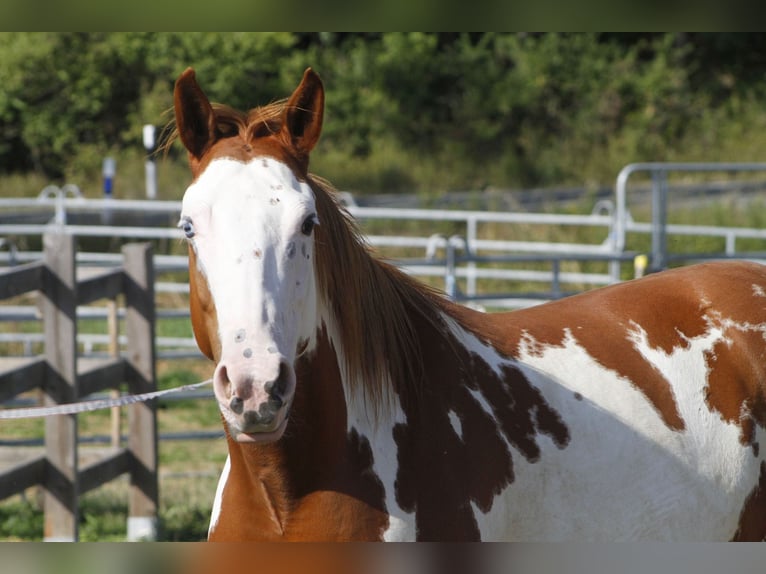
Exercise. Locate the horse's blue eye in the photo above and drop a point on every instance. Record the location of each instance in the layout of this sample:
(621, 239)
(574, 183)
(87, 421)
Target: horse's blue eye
(188, 228)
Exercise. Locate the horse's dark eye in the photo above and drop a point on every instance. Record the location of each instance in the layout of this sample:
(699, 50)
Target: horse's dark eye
(308, 224)
(188, 228)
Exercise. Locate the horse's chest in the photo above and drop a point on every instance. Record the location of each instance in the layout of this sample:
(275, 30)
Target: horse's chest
(252, 514)
(335, 516)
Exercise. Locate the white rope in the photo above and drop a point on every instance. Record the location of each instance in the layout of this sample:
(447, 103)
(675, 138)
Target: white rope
(86, 406)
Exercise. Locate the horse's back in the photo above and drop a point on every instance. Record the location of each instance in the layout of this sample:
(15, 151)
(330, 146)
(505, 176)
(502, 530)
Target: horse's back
(660, 385)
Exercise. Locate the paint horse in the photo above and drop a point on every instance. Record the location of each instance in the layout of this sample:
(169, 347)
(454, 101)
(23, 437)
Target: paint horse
(360, 404)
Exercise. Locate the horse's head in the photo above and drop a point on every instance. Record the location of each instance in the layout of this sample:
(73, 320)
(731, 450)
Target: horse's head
(249, 217)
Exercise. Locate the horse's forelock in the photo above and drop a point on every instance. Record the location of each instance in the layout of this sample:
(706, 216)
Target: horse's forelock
(230, 122)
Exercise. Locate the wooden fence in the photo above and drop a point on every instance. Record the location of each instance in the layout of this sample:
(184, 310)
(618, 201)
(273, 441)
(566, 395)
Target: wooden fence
(64, 377)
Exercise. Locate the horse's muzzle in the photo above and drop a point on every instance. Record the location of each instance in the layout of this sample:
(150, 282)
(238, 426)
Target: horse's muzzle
(254, 410)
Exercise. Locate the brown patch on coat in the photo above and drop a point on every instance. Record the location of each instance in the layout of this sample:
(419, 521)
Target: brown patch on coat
(752, 519)
(202, 309)
(737, 364)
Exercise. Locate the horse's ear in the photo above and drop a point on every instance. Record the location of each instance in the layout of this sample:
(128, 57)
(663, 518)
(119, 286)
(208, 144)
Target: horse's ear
(195, 119)
(302, 118)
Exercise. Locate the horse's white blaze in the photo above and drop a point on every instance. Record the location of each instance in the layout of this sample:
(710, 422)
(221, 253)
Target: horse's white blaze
(217, 501)
(624, 473)
(247, 220)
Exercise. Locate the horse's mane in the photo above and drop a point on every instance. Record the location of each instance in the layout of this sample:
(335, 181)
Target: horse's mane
(375, 305)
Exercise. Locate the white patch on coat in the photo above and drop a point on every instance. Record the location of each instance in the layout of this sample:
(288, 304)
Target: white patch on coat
(457, 426)
(401, 524)
(218, 500)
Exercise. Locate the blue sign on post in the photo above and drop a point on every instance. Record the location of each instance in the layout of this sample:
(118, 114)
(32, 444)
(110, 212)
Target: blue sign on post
(109, 168)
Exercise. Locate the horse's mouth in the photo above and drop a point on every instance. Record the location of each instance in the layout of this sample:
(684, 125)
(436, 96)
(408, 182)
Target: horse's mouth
(261, 435)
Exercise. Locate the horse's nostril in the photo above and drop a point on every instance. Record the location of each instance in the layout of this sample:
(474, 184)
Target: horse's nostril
(221, 377)
(276, 401)
(237, 405)
(276, 389)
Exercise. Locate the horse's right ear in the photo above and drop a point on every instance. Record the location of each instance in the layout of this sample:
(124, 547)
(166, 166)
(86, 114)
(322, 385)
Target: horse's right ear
(195, 119)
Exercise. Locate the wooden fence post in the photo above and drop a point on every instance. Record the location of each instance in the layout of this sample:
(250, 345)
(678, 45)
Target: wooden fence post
(59, 304)
(142, 419)
(113, 328)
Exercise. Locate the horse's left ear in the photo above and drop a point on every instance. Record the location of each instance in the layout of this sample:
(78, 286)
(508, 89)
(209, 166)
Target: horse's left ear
(195, 119)
(302, 118)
